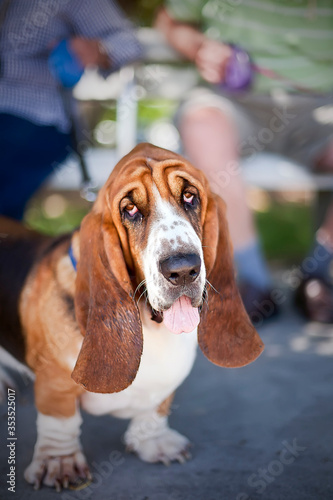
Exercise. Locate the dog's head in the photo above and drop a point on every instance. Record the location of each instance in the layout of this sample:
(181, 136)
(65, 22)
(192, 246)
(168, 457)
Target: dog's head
(156, 228)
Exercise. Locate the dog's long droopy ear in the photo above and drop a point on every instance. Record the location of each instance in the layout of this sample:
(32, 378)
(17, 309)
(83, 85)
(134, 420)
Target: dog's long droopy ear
(106, 312)
(226, 335)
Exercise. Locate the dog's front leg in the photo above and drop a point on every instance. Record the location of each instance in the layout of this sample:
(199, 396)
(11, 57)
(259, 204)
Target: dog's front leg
(58, 459)
(150, 436)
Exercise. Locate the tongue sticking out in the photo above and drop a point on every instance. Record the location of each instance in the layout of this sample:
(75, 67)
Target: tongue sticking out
(181, 317)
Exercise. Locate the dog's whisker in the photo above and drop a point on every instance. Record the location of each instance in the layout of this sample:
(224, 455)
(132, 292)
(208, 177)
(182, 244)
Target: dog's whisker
(143, 293)
(213, 287)
(204, 298)
(205, 295)
(143, 282)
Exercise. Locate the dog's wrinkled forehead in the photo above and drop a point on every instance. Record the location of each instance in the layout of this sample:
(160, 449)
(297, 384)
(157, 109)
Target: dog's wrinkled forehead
(150, 158)
(139, 174)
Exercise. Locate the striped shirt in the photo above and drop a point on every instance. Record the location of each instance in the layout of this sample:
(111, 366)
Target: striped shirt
(30, 30)
(289, 39)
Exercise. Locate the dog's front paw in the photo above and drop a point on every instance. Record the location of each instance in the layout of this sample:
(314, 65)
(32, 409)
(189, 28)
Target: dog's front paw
(58, 472)
(166, 447)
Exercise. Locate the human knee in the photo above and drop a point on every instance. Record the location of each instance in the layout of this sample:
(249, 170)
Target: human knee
(228, 183)
(206, 123)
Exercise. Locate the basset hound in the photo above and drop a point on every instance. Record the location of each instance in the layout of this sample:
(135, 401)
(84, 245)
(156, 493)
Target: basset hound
(109, 317)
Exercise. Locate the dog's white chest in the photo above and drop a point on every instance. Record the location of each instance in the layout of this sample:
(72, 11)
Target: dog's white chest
(166, 361)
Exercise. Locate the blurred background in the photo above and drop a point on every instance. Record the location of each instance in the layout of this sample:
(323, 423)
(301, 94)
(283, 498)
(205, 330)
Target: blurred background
(138, 104)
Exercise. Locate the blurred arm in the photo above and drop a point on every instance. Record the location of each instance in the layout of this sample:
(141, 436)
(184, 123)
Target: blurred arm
(103, 36)
(184, 38)
(209, 56)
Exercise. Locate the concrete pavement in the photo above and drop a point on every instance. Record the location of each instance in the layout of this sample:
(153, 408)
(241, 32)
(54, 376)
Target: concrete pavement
(263, 432)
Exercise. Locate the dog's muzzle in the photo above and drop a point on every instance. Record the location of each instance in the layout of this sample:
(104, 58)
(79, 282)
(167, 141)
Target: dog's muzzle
(181, 271)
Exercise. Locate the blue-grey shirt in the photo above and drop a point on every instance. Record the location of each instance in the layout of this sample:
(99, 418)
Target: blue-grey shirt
(30, 30)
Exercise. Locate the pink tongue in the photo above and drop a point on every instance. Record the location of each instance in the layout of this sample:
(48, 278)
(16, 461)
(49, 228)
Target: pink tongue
(181, 317)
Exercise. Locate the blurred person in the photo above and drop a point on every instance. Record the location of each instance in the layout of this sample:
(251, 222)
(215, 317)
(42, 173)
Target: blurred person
(287, 84)
(35, 129)
(314, 277)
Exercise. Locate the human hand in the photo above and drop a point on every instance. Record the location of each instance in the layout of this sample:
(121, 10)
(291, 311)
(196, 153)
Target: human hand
(211, 60)
(90, 52)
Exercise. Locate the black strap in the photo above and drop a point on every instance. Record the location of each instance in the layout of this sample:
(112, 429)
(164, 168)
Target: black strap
(88, 189)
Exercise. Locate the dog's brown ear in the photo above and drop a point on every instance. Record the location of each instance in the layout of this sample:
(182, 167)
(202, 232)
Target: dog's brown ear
(106, 312)
(226, 335)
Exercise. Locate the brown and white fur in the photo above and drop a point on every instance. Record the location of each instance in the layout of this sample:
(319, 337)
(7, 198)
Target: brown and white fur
(90, 339)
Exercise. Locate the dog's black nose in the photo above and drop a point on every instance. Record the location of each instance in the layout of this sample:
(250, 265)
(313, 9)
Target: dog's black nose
(181, 269)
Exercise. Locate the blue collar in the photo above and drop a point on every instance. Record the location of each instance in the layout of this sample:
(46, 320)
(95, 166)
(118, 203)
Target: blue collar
(73, 259)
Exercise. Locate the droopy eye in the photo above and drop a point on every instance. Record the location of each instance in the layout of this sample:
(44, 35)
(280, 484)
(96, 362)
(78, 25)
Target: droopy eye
(131, 209)
(188, 197)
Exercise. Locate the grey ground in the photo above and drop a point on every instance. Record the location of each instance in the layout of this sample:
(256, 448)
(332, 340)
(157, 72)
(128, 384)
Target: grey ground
(242, 423)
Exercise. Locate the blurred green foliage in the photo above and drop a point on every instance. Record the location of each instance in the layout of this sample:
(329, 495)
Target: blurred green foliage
(286, 230)
(141, 12)
(150, 110)
(71, 218)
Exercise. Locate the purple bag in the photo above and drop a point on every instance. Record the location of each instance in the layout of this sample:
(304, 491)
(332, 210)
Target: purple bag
(239, 72)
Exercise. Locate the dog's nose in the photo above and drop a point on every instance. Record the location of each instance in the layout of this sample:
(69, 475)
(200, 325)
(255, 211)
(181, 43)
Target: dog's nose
(181, 269)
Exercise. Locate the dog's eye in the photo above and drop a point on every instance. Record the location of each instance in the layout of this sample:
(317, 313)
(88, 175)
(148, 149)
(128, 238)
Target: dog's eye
(132, 209)
(188, 197)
